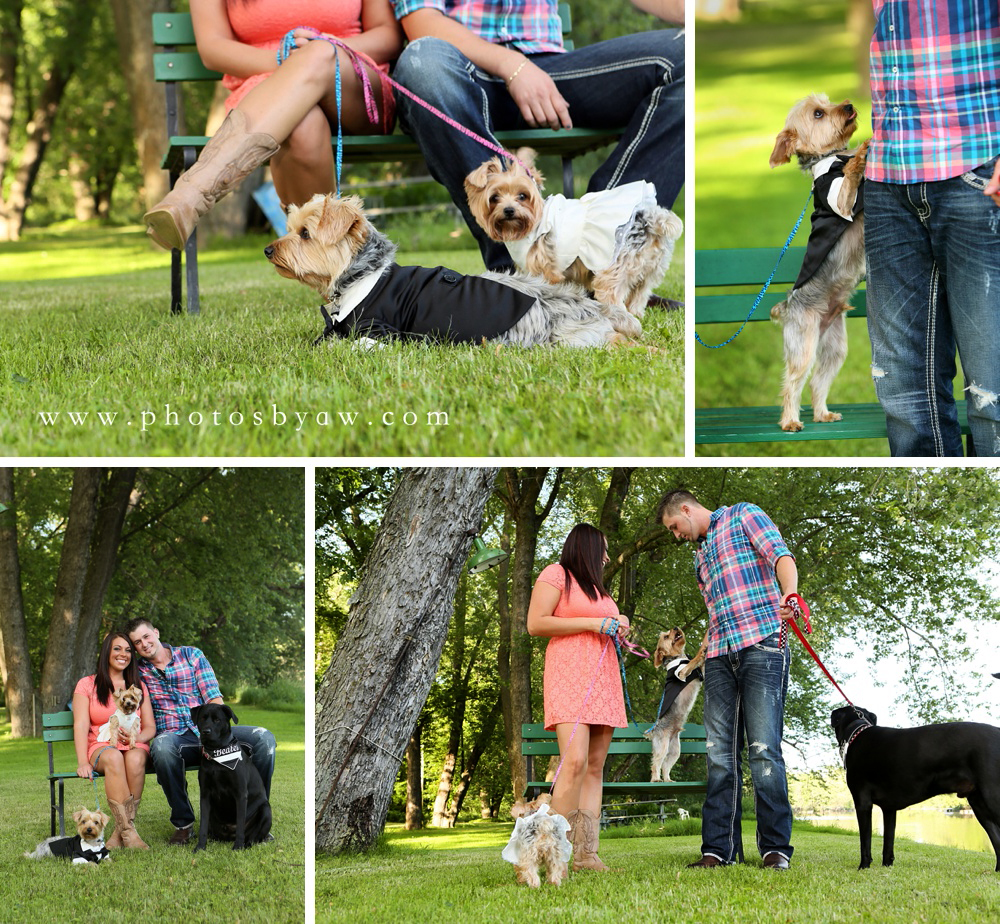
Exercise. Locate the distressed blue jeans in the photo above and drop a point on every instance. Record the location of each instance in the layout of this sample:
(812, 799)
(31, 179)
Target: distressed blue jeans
(635, 81)
(933, 254)
(745, 703)
(172, 752)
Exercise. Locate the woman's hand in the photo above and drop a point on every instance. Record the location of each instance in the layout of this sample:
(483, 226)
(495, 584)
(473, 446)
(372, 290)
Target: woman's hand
(538, 98)
(85, 772)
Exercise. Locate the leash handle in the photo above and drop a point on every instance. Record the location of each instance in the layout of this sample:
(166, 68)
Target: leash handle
(767, 285)
(801, 608)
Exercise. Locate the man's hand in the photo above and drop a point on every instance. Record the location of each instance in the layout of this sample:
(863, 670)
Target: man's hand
(993, 186)
(538, 98)
(786, 611)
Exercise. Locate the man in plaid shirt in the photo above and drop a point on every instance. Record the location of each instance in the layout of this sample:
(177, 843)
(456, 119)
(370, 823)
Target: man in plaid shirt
(500, 64)
(177, 680)
(746, 574)
(931, 221)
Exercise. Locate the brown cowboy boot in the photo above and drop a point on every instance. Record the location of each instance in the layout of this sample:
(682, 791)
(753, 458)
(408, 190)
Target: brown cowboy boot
(231, 155)
(123, 813)
(585, 837)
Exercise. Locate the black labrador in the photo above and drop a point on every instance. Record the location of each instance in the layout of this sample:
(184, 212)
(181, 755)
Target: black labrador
(234, 806)
(896, 767)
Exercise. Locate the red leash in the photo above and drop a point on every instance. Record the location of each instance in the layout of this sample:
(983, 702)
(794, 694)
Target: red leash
(801, 608)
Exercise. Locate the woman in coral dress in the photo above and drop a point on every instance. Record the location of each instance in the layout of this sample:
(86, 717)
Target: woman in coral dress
(582, 685)
(283, 112)
(124, 767)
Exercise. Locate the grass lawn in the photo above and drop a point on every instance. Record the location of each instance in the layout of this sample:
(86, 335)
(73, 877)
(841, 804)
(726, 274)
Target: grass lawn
(263, 884)
(747, 75)
(458, 875)
(95, 365)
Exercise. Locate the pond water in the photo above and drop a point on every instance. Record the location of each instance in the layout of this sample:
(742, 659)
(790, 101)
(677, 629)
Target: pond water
(926, 827)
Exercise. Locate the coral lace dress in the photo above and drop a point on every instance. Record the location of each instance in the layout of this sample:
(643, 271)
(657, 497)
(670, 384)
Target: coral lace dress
(265, 23)
(571, 663)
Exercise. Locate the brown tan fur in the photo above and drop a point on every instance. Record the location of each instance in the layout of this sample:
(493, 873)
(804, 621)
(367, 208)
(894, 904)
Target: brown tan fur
(815, 331)
(505, 197)
(543, 849)
(665, 734)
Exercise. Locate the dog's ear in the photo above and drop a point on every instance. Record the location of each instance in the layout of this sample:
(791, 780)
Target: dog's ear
(661, 650)
(528, 157)
(104, 818)
(480, 177)
(231, 714)
(784, 147)
(195, 711)
(339, 216)
(518, 809)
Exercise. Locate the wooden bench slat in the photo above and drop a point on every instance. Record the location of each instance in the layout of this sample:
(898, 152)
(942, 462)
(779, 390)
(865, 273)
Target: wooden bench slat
(716, 272)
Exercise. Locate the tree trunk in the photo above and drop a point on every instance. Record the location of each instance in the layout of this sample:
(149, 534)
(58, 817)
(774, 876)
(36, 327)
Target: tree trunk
(57, 671)
(13, 632)
(479, 747)
(39, 129)
(134, 30)
(385, 660)
(113, 505)
(520, 495)
(10, 43)
(415, 781)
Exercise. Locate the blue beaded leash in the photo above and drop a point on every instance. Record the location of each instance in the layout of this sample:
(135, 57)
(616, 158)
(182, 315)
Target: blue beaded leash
(767, 284)
(287, 47)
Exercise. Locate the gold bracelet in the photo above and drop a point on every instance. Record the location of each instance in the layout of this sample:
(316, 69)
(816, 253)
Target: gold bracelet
(510, 79)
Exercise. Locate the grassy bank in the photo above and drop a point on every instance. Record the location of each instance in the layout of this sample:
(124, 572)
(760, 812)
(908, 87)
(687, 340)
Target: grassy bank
(95, 365)
(459, 875)
(263, 884)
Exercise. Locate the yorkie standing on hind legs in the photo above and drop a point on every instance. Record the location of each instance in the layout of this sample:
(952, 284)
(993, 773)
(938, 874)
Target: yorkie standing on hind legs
(815, 329)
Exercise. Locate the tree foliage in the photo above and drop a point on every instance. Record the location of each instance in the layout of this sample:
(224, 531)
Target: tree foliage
(213, 557)
(892, 562)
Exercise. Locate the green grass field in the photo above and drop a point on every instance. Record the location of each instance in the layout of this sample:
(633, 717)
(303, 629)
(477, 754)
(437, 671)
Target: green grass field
(458, 875)
(747, 76)
(263, 884)
(95, 365)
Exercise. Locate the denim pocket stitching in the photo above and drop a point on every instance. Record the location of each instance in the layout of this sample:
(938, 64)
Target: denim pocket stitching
(973, 179)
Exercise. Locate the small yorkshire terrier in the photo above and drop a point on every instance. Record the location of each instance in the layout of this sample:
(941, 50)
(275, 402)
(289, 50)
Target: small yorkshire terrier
(812, 315)
(125, 718)
(333, 248)
(86, 847)
(683, 681)
(617, 243)
(539, 839)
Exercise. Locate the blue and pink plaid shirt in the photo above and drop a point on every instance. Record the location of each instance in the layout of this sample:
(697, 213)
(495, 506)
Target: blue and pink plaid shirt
(530, 26)
(735, 568)
(935, 75)
(188, 680)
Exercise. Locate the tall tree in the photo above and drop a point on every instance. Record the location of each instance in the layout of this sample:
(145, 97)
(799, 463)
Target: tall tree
(65, 46)
(385, 659)
(16, 663)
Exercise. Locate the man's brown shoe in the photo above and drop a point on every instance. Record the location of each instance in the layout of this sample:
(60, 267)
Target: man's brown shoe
(706, 862)
(775, 861)
(181, 837)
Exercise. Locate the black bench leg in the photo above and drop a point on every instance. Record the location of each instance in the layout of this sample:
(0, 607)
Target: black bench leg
(176, 300)
(191, 261)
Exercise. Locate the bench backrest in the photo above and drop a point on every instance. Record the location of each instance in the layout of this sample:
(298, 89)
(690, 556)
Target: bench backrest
(173, 31)
(714, 269)
(536, 741)
(56, 726)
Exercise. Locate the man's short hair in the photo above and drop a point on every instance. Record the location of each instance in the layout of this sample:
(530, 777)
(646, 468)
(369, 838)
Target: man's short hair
(134, 624)
(673, 501)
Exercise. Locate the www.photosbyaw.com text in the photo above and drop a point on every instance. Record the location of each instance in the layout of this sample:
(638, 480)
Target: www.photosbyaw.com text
(274, 417)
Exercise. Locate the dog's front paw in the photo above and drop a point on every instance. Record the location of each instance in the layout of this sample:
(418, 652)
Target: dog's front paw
(792, 426)
(827, 417)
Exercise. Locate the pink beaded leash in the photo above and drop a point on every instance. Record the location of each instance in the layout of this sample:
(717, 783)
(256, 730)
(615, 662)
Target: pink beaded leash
(288, 44)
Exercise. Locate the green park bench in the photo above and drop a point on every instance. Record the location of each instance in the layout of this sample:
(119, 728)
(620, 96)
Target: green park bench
(177, 62)
(57, 730)
(536, 741)
(717, 272)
